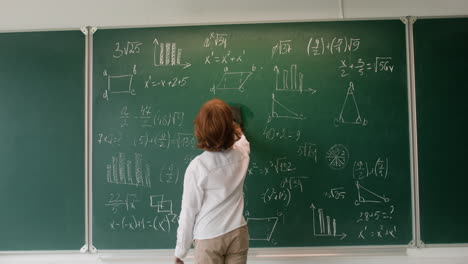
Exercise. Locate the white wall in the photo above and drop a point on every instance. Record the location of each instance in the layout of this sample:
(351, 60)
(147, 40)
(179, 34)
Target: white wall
(23, 15)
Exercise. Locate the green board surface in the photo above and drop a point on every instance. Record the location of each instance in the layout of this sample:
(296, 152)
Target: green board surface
(441, 89)
(42, 193)
(324, 106)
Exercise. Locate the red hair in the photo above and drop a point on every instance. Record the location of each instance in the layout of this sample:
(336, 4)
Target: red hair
(214, 127)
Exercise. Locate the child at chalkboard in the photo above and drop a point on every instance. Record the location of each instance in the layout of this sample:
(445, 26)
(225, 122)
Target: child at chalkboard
(212, 200)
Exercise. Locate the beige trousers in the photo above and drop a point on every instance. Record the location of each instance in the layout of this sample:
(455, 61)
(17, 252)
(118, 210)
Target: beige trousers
(230, 248)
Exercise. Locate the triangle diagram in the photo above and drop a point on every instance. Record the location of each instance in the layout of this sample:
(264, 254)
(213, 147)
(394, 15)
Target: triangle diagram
(278, 110)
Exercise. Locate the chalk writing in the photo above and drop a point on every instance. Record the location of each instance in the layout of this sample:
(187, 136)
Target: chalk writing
(281, 48)
(109, 138)
(226, 57)
(380, 64)
(216, 40)
(166, 140)
(307, 150)
(117, 201)
(378, 169)
(169, 173)
(131, 47)
(379, 232)
(293, 183)
(148, 119)
(377, 215)
(335, 193)
(283, 133)
(278, 166)
(324, 46)
(284, 192)
(160, 223)
(274, 194)
(172, 82)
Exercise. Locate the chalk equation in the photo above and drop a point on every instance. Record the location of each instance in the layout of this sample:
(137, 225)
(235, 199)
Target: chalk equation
(308, 150)
(318, 46)
(279, 166)
(169, 173)
(173, 82)
(376, 215)
(118, 201)
(159, 223)
(225, 57)
(281, 133)
(215, 40)
(149, 118)
(378, 232)
(282, 47)
(109, 138)
(284, 192)
(335, 193)
(365, 169)
(362, 67)
(166, 140)
(127, 48)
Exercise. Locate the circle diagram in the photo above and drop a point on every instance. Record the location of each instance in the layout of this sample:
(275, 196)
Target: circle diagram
(337, 157)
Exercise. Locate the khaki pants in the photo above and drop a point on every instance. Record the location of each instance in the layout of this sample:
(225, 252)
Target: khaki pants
(230, 248)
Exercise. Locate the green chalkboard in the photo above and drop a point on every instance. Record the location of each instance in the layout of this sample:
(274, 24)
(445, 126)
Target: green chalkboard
(441, 88)
(325, 110)
(42, 141)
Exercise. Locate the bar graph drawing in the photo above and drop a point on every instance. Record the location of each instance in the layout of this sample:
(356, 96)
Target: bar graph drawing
(168, 54)
(290, 80)
(324, 225)
(131, 170)
(232, 81)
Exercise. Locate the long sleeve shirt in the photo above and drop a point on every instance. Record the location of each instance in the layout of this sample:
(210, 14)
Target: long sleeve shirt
(212, 200)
